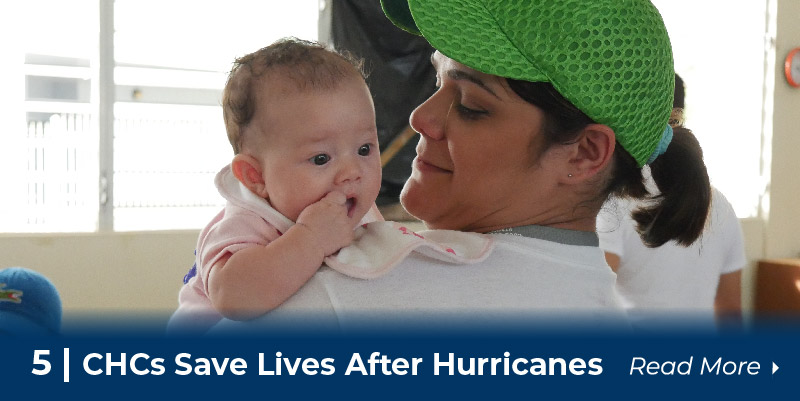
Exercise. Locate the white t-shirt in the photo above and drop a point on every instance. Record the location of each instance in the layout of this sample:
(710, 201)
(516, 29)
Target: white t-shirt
(672, 278)
(522, 276)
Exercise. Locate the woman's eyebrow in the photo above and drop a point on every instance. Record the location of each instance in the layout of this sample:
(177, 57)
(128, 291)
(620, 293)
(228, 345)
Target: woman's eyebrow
(459, 75)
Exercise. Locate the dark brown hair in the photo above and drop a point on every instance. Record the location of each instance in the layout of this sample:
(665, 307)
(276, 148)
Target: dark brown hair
(308, 65)
(680, 208)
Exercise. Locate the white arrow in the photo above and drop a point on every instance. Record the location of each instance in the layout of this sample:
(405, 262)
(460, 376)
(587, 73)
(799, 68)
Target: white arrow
(774, 368)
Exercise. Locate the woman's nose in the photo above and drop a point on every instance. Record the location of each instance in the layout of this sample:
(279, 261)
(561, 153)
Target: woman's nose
(429, 117)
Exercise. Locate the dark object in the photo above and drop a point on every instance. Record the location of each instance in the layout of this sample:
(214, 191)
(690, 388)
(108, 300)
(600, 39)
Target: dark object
(680, 92)
(400, 76)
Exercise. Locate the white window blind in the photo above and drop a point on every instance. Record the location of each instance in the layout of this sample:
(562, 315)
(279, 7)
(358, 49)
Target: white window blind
(167, 135)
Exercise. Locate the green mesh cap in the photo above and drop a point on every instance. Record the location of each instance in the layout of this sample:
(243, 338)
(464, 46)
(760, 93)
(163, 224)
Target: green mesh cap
(610, 58)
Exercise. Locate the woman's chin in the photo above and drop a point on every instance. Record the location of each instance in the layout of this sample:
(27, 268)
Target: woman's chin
(412, 201)
(423, 208)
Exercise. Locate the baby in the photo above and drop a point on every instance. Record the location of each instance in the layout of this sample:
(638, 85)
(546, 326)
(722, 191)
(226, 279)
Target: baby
(301, 122)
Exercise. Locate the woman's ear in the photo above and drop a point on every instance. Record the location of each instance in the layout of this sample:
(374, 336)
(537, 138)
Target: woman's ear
(247, 170)
(591, 152)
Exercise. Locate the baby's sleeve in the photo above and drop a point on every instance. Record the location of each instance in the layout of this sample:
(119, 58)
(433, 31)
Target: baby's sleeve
(234, 230)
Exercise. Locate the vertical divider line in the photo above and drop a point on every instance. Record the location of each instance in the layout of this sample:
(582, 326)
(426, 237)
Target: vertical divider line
(106, 99)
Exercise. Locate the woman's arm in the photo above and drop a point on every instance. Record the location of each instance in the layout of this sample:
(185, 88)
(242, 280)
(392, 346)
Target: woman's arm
(613, 261)
(728, 302)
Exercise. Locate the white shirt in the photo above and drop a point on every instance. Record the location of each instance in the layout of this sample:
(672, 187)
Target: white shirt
(672, 278)
(522, 276)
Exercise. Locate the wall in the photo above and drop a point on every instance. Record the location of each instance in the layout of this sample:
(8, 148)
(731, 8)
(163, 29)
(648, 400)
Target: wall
(753, 232)
(108, 273)
(782, 231)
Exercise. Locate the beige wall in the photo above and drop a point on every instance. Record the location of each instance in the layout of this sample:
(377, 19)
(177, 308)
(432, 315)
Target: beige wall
(136, 272)
(782, 229)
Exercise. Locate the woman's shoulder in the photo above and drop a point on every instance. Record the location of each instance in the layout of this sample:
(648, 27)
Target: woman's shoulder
(553, 252)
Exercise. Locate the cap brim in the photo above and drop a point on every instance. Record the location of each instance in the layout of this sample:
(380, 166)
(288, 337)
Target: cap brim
(15, 325)
(462, 30)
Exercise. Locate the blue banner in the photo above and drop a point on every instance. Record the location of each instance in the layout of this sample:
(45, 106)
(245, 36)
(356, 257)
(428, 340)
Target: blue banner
(760, 362)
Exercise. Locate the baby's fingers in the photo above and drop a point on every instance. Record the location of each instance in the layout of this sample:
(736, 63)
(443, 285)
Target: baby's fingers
(335, 197)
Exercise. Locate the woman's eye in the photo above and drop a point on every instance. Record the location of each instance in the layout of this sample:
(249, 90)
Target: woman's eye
(364, 150)
(470, 114)
(320, 159)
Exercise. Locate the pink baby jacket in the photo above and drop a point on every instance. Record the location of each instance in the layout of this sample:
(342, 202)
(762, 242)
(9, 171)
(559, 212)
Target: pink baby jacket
(247, 220)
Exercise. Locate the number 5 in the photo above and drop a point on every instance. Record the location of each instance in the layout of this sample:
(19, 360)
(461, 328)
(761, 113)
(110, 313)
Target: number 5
(37, 360)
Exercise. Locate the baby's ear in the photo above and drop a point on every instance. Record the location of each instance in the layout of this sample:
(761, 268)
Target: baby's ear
(247, 170)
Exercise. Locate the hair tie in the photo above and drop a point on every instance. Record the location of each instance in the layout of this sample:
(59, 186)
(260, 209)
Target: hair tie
(666, 138)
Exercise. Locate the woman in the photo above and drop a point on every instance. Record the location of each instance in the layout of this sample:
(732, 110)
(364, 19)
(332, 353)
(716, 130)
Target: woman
(544, 110)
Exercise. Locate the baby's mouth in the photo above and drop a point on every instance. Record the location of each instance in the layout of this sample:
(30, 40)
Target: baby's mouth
(350, 204)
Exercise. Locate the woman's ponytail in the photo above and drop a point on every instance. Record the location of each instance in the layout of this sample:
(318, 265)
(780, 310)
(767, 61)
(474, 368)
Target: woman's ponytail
(679, 210)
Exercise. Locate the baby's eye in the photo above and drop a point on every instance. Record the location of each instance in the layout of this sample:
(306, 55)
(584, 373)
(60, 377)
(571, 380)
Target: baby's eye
(320, 159)
(364, 149)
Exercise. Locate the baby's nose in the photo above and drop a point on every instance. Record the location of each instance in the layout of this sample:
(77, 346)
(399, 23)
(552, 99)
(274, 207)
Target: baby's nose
(349, 171)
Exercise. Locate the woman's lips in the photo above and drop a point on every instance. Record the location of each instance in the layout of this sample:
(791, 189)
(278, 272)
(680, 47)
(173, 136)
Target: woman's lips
(427, 167)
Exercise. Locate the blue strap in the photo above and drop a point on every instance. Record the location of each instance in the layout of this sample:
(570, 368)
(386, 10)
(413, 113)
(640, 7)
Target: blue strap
(666, 138)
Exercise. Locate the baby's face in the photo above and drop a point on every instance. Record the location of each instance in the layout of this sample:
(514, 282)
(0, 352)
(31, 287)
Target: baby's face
(319, 141)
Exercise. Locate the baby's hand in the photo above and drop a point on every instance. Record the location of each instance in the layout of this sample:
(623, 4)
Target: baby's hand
(328, 223)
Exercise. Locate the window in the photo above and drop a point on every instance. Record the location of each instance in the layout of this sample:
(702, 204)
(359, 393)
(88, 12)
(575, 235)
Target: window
(719, 51)
(164, 122)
